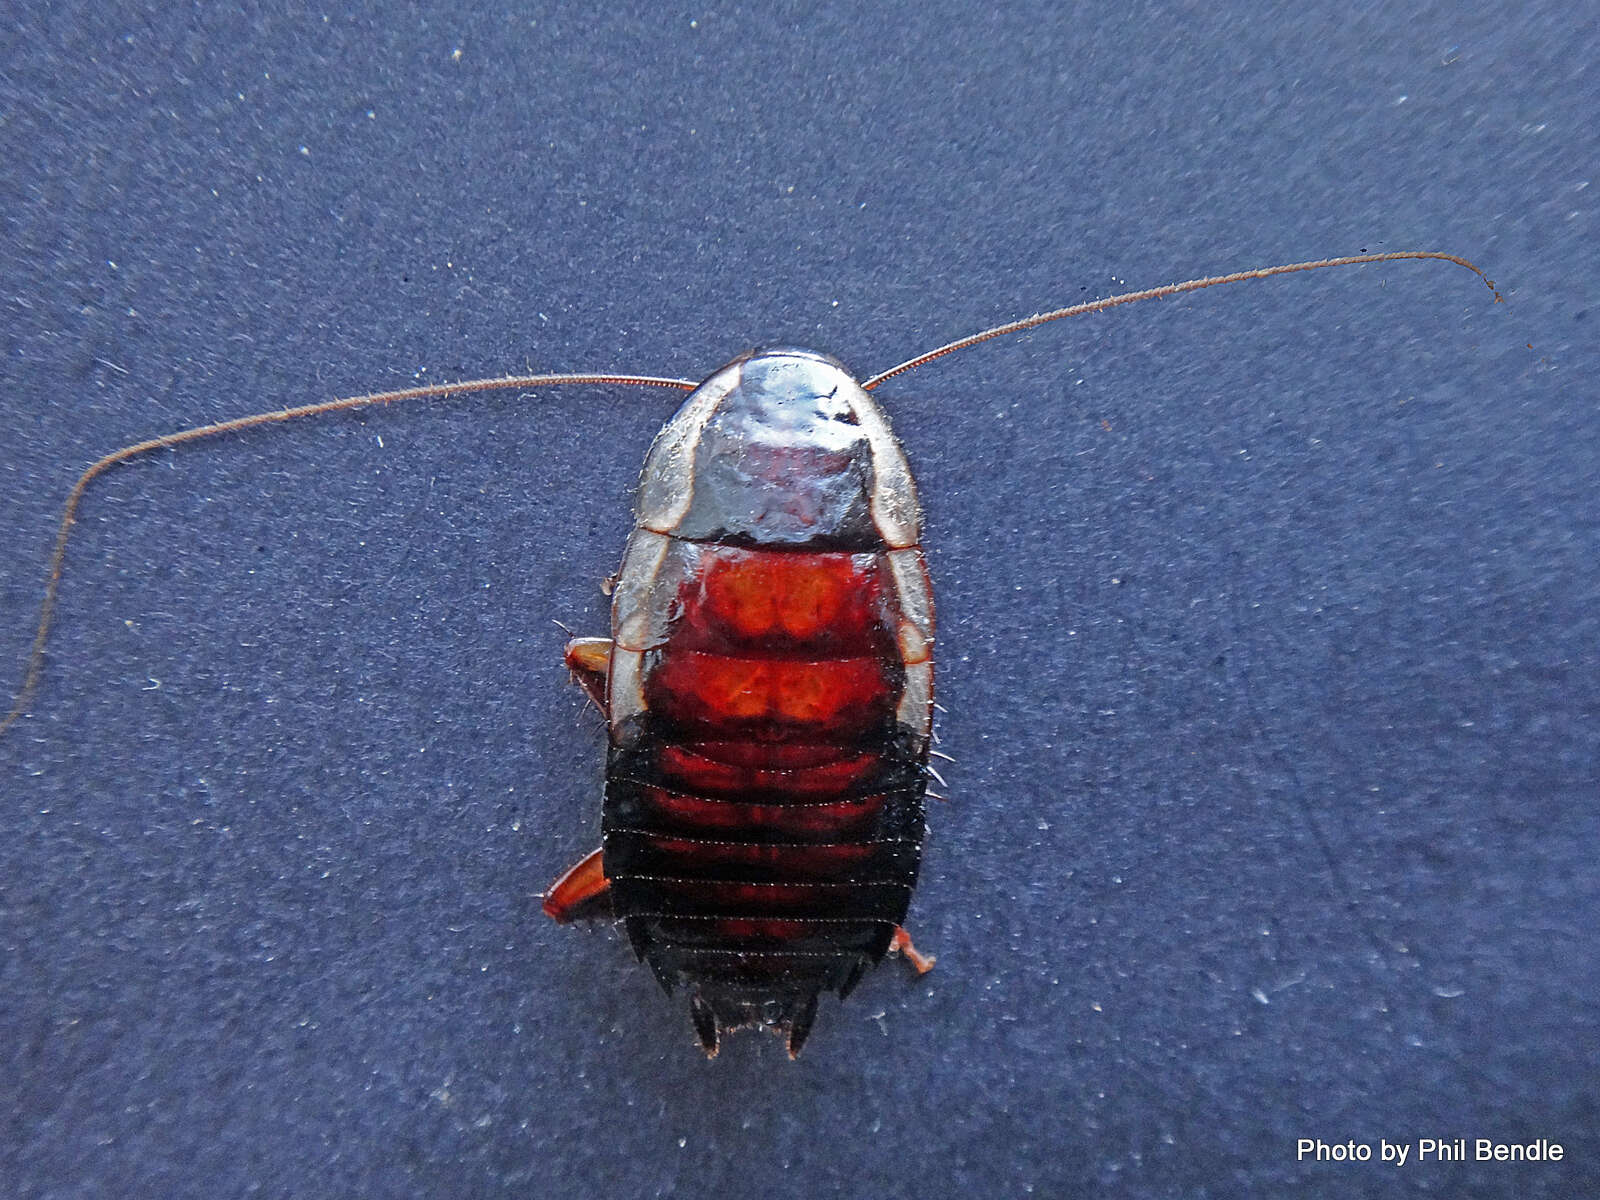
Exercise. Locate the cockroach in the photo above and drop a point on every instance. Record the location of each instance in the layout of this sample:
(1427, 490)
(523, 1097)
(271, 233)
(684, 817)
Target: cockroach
(768, 682)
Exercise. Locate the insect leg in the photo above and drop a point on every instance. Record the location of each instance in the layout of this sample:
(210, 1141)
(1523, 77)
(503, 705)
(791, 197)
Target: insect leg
(589, 660)
(582, 894)
(900, 943)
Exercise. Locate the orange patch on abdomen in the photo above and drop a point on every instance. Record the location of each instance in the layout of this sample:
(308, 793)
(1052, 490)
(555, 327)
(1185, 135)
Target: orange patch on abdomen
(826, 700)
(812, 605)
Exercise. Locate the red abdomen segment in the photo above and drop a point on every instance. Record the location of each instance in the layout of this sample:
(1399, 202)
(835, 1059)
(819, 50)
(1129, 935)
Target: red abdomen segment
(764, 824)
(769, 693)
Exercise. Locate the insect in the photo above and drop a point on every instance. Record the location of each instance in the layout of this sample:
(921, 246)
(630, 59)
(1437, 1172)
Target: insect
(767, 685)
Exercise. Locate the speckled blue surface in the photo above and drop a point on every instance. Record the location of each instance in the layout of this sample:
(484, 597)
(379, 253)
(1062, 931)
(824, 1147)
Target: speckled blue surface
(1268, 615)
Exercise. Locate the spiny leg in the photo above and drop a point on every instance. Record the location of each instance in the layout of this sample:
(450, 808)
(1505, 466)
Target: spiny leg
(582, 894)
(900, 944)
(589, 660)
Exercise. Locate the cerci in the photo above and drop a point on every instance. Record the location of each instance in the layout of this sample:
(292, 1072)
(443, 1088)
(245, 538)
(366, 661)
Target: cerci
(768, 682)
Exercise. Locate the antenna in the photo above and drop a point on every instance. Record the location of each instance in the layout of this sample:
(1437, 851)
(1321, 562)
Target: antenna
(35, 664)
(1171, 289)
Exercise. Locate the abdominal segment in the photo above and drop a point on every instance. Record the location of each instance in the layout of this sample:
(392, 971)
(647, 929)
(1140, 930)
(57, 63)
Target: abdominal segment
(764, 800)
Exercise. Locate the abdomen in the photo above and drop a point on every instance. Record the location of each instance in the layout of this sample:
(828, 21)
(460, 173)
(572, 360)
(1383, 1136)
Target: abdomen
(765, 824)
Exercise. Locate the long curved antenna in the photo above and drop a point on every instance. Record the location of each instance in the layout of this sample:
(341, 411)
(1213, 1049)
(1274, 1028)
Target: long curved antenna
(1171, 289)
(35, 664)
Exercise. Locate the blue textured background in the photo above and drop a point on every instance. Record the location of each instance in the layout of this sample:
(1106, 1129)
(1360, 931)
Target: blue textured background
(1269, 615)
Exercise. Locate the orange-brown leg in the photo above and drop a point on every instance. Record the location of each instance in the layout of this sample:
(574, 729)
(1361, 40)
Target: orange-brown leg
(901, 944)
(582, 894)
(589, 660)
